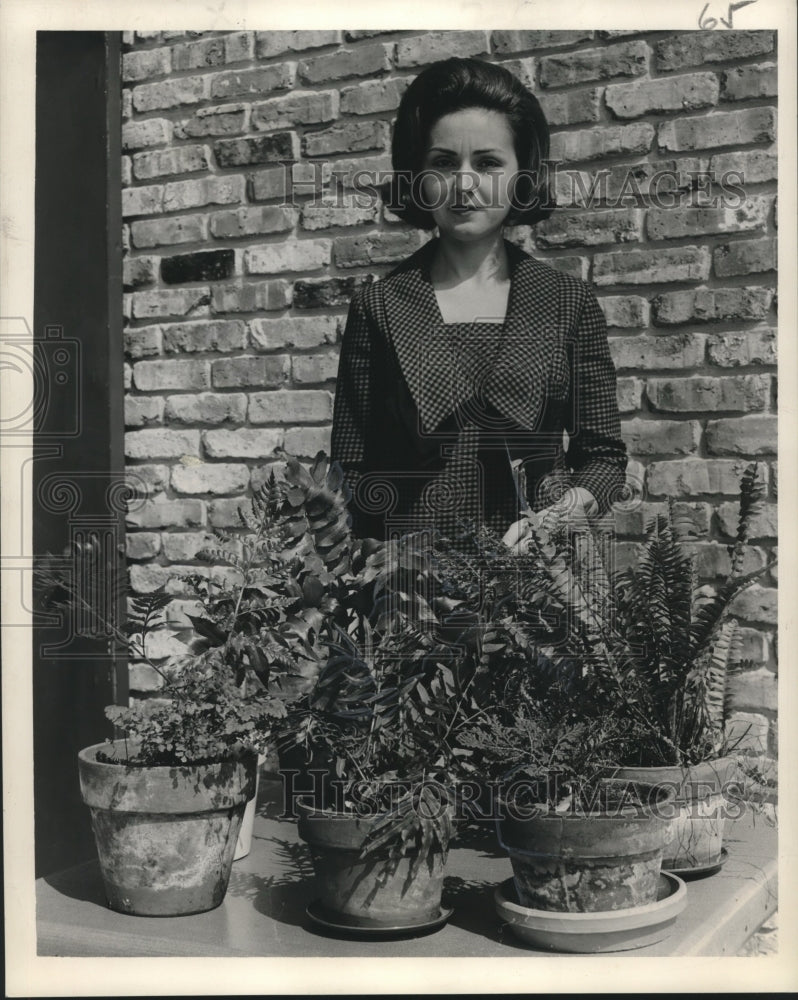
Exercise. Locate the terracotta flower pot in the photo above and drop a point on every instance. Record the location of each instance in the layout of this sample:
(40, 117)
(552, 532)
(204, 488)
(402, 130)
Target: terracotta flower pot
(165, 835)
(604, 858)
(697, 828)
(367, 892)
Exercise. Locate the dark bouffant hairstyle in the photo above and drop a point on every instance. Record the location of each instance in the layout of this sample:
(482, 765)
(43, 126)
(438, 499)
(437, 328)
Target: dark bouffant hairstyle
(452, 85)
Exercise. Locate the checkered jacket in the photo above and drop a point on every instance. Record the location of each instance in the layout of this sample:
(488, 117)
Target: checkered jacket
(436, 422)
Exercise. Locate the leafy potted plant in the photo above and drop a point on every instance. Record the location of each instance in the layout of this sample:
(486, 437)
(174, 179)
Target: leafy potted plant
(381, 712)
(578, 841)
(657, 650)
(687, 650)
(167, 798)
(585, 850)
(266, 626)
(376, 721)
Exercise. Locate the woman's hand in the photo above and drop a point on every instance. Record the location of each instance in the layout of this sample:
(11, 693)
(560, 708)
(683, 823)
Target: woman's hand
(569, 513)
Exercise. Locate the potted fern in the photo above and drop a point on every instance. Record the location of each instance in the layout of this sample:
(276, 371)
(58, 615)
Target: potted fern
(379, 830)
(586, 851)
(334, 626)
(658, 650)
(687, 644)
(536, 734)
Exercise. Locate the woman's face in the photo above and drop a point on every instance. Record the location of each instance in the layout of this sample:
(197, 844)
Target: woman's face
(470, 167)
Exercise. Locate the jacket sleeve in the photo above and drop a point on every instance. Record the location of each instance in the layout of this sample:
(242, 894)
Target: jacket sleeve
(353, 390)
(596, 452)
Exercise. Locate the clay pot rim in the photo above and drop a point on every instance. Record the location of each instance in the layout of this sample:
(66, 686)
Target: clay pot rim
(309, 813)
(715, 765)
(335, 830)
(88, 755)
(162, 788)
(690, 782)
(647, 807)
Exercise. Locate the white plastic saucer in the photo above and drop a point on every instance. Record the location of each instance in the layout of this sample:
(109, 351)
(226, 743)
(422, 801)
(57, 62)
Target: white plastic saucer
(592, 933)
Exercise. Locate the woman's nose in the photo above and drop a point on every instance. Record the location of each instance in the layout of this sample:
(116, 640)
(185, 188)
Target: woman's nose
(464, 180)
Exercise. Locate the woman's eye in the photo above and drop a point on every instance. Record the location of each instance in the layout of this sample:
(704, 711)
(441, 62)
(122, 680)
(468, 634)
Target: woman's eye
(447, 163)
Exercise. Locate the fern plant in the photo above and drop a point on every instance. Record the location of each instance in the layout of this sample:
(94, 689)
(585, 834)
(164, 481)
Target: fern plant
(254, 647)
(205, 711)
(652, 645)
(684, 640)
(262, 614)
(648, 644)
(561, 757)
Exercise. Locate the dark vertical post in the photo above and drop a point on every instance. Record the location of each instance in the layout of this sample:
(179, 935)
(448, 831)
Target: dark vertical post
(116, 356)
(78, 464)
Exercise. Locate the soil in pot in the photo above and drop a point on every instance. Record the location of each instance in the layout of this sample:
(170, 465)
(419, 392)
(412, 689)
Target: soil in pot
(370, 892)
(697, 828)
(606, 856)
(165, 835)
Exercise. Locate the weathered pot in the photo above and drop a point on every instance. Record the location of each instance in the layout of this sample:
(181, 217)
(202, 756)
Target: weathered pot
(697, 827)
(165, 835)
(603, 858)
(367, 892)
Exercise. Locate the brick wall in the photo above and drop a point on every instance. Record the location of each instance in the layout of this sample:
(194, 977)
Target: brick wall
(236, 286)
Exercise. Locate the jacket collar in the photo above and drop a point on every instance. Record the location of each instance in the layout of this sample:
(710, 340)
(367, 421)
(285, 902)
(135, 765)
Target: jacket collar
(436, 372)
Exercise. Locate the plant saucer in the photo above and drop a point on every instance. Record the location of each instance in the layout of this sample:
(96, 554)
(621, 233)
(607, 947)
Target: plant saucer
(597, 931)
(700, 871)
(332, 923)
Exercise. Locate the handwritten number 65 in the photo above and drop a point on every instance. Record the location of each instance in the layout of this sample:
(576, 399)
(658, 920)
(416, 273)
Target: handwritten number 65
(708, 23)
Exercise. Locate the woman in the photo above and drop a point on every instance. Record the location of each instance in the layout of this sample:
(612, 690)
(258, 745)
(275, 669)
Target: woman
(462, 368)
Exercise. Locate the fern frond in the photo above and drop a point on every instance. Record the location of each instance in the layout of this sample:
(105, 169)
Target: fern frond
(752, 496)
(711, 613)
(736, 667)
(717, 674)
(145, 612)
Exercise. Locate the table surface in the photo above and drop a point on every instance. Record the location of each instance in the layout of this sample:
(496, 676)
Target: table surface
(263, 913)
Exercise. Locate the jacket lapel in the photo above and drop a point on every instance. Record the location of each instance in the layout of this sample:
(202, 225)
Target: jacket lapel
(439, 376)
(415, 330)
(518, 383)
